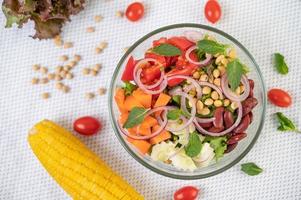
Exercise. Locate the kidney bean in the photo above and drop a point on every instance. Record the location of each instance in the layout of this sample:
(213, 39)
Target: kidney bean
(215, 129)
(243, 125)
(206, 125)
(228, 119)
(248, 105)
(251, 116)
(230, 147)
(251, 83)
(251, 93)
(218, 115)
(237, 137)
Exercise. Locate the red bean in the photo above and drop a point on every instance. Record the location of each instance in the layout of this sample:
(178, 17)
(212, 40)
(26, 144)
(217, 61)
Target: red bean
(248, 105)
(228, 119)
(215, 129)
(237, 137)
(206, 125)
(251, 116)
(230, 147)
(251, 94)
(218, 115)
(251, 83)
(243, 125)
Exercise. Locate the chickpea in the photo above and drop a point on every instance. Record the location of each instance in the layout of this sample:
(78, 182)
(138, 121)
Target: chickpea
(214, 95)
(232, 53)
(196, 75)
(208, 102)
(199, 106)
(216, 73)
(226, 102)
(206, 90)
(217, 81)
(204, 77)
(219, 59)
(218, 103)
(204, 111)
(234, 105)
(222, 69)
(237, 91)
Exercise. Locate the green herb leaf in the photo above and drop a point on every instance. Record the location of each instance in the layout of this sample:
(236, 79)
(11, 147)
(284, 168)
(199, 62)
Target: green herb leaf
(285, 123)
(14, 17)
(211, 47)
(245, 69)
(280, 64)
(251, 169)
(136, 117)
(176, 99)
(174, 114)
(167, 50)
(234, 73)
(129, 88)
(194, 145)
(218, 144)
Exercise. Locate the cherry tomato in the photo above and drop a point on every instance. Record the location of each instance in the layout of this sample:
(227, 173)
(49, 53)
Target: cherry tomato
(186, 193)
(134, 11)
(279, 97)
(86, 125)
(212, 11)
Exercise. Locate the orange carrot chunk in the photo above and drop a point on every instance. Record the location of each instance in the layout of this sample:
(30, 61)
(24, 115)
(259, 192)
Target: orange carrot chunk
(162, 100)
(130, 102)
(163, 135)
(141, 145)
(119, 99)
(123, 117)
(144, 98)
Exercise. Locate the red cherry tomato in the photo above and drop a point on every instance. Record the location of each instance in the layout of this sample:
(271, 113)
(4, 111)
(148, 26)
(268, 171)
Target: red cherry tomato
(86, 125)
(212, 11)
(134, 11)
(279, 97)
(186, 193)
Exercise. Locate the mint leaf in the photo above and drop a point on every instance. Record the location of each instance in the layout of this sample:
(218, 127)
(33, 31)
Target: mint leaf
(218, 144)
(234, 73)
(251, 169)
(13, 17)
(136, 117)
(194, 145)
(285, 123)
(174, 114)
(280, 64)
(167, 50)
(211, 47)
(129, 88)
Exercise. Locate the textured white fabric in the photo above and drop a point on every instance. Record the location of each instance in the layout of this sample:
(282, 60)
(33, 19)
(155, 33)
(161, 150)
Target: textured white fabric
(264, 27)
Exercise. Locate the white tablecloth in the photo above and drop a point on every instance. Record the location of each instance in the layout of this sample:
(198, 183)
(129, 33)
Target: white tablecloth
(264, 27)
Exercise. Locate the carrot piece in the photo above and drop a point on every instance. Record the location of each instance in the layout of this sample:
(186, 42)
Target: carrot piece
(163, 135)
(162, 100)
(119, 99)
(144, 130)
(123, 117)
(149, 122)
(144, 98)
(130, 102)
(142, 145)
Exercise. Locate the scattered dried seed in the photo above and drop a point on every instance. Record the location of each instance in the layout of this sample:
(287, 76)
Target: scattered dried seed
(44, 80)
(97, 67)
(63, 73)
(119, 14)
(35, 81)
(69, 76)
(44, 70)
(97, 18)
(98, 50)
(51, 76)
(66, 89)
(126, 49)
(90, 95)
(59, 85)
(68, 45)
(67, 67)
(57, 77)
(63, 58)
(58, 41)
(94, 72)
(72, 63)
(86, 71)
(103, 45)
(90, 29)
(36, 67)
(46, 95)
(77, 58)
(102, 91)
(58, 69)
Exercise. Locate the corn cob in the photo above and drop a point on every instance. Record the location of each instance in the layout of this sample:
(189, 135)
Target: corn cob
(75, 168)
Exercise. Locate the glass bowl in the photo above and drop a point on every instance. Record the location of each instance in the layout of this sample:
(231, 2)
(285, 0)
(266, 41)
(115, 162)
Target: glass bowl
(137, 51)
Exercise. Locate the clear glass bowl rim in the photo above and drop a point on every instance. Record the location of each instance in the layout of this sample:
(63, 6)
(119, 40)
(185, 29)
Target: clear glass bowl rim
(111, 100)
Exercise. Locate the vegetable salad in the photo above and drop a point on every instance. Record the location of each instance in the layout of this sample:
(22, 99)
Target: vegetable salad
(187, 102)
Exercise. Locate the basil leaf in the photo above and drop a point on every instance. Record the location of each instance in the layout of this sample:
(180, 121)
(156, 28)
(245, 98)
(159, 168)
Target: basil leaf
(218, 144)
(285, 123)
(194, 145)
(167, 50)
(136, 117)
(280, 64)
(211, 47)
(234, 73)
(251, 169)
(129, 88)
(174, 114)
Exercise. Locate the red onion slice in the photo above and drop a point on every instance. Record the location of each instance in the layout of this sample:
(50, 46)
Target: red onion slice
(217, 89)
(202, 130)
(193, 36)
(191, 80)
(203, 62)
(139, 137)
(204, 120)
(231, 95)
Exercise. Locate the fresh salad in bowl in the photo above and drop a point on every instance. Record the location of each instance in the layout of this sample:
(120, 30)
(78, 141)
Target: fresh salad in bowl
(187, 102)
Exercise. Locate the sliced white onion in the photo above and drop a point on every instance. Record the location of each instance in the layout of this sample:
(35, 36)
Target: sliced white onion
(217, 89)
(201, 63)
(139, 137)
(202, 130)
(193, 36)
(231, 95)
